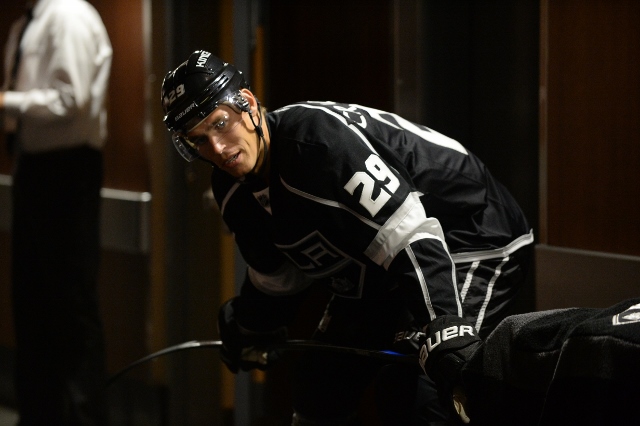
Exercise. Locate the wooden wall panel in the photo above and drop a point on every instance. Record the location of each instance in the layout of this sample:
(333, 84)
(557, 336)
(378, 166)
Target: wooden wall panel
(570, 278)
(10, 12)
(593, 132)
(126, 165)
(590, 153)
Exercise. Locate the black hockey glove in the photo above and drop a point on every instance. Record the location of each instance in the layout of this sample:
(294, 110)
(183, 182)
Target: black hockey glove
(448, 344)
(409, 341)
(245, 349)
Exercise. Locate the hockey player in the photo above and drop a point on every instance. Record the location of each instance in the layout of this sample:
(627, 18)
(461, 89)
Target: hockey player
(420, 245)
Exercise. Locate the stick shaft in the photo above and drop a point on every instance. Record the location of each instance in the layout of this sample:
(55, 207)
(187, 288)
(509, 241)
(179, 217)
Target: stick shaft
(285, 346)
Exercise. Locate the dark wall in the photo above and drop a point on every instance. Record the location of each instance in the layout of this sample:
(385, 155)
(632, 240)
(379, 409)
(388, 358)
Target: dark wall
(125, 156)
(480, 77)
(332, 50)
(192, 25)
(481, 86)
(192, 235)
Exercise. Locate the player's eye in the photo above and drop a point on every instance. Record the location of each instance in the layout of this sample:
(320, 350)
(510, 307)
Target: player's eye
(221, 123)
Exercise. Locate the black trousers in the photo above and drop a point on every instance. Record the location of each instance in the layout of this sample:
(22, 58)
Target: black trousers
(60, 371)
(328, 387)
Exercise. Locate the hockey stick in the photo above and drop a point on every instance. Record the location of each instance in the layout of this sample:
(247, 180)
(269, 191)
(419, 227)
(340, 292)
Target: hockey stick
(287, 346)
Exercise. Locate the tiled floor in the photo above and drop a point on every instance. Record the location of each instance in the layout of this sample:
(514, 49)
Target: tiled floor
(8, 417)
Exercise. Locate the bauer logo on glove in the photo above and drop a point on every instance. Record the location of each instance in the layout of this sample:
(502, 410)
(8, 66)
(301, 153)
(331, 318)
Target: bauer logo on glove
(440, 336)
(447, 339)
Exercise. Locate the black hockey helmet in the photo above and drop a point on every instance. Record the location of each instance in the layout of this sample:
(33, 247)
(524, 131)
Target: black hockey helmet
(193, 90)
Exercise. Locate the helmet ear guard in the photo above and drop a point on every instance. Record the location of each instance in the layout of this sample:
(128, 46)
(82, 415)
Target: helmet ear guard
(244, 104)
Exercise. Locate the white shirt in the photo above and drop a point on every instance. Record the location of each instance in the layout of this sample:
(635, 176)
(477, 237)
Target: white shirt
(61, 85)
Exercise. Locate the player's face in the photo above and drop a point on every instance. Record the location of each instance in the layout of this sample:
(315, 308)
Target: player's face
(227, 139)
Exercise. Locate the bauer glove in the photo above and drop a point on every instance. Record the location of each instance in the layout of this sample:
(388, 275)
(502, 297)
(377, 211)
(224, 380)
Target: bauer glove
(408, 341)
(242, 348)
(447, 345)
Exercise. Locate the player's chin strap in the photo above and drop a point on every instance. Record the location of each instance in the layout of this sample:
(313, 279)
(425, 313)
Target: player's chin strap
(285, 346)
(265, 147)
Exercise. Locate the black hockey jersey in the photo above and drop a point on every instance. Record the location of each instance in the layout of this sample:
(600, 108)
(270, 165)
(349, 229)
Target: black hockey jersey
(365, 200)
(578, 366)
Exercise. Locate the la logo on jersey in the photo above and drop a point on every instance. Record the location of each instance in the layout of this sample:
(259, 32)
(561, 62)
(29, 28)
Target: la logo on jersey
(631, 315)
(318, 258)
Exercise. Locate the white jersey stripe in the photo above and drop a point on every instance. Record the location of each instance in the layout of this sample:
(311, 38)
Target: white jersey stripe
(407, 221)
(423, 284)
(329, 203)
(489, 292)
(286, 280)
(427, 134)
(454, 280)
(227, 197)
(472, 256)
(467, 281)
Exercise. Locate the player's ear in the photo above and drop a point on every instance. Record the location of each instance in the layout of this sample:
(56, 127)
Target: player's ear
(251, 99)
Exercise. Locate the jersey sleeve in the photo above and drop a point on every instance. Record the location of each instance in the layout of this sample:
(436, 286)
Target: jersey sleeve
(259, 311)
(267, 269)
(376, 211)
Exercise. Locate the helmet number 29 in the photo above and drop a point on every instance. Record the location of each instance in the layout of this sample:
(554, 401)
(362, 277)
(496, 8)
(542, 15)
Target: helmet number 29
(174, 94)
(378, 172)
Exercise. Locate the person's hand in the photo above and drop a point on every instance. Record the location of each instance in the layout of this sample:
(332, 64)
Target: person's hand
(447, 345)
(460, 404)
(243, 349)
(1, 101)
